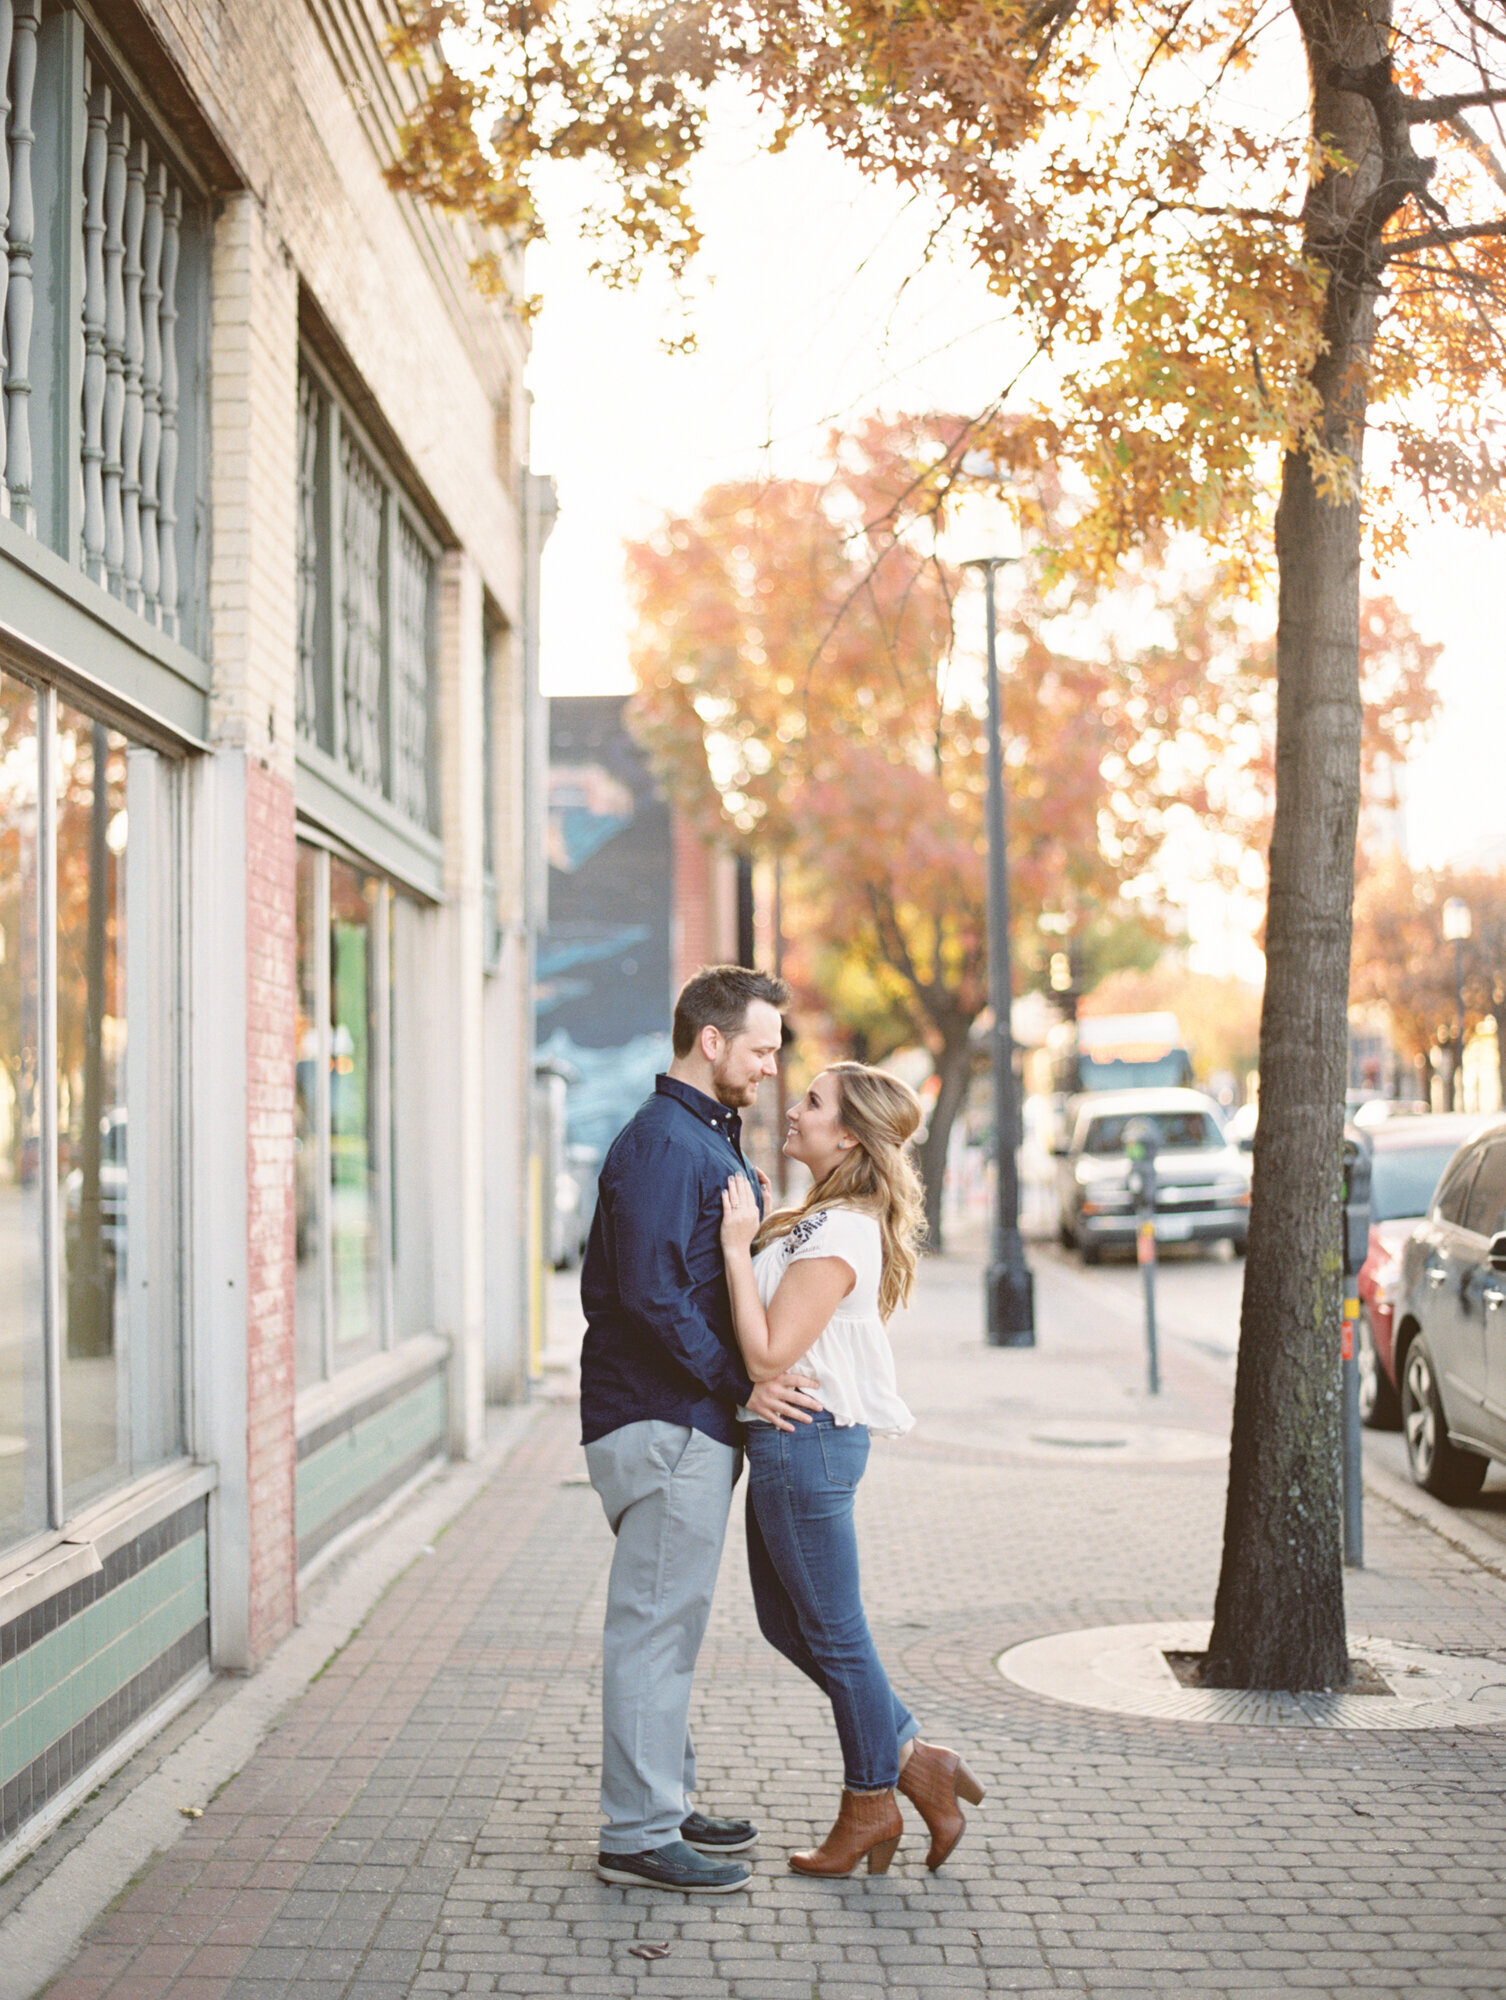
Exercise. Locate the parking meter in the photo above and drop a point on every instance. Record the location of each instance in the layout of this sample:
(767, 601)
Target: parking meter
(1142, 1137)
(1355, 1230)
(1356, 1206)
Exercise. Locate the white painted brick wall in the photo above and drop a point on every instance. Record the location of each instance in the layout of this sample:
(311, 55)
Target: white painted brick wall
(253, 486)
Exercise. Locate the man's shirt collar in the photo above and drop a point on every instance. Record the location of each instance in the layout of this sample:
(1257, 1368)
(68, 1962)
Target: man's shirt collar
(707, 1109)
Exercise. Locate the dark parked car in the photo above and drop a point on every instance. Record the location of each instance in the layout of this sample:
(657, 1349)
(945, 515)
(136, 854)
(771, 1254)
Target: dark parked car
(1407, 1159)
(1451, 1324)
(1203, 1182)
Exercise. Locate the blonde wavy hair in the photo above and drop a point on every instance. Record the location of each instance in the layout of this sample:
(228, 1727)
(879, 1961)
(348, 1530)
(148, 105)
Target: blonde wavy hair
(876, 1175)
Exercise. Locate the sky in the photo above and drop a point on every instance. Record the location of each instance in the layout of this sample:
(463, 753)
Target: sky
(812, 304)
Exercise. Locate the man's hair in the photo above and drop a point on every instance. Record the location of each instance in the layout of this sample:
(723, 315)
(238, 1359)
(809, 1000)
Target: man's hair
(718, 996)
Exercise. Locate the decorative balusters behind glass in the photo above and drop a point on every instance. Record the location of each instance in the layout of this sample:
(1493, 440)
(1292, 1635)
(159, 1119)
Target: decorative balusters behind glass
(19, 22)
(365, 582)
(311, 709)
(361, 608)
(411, 676)
(132, 215)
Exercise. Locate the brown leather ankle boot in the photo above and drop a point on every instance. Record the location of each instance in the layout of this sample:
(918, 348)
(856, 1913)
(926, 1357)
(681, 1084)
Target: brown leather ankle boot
(868, 1823)
(933, 1779)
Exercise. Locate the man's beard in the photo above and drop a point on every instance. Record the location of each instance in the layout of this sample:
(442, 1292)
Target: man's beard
(736, 1097)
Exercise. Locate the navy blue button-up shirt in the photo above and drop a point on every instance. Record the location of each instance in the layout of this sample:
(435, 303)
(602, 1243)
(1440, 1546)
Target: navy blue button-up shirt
(659, 1342)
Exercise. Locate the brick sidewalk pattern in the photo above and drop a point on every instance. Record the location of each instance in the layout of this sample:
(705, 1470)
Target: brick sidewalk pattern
(423, 1819)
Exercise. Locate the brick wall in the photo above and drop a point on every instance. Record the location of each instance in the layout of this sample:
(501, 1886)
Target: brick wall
(705, 905)
(271, 975)
(254, 487)
(253, 413)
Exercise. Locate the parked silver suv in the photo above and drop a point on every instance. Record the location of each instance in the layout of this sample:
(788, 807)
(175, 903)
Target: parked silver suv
(1203, 1182)
(1451, 1324)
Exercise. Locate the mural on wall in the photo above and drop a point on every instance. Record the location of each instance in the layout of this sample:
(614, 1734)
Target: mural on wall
(603, 995)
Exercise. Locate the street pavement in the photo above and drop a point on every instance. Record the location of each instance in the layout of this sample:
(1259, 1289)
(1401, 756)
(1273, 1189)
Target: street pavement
(422, 1820)
(1198, 1311)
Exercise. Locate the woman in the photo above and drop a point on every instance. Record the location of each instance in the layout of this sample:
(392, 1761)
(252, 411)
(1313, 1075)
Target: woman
(814, 1285)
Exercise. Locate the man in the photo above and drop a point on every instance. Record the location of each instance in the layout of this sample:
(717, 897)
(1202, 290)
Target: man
(661, 1379)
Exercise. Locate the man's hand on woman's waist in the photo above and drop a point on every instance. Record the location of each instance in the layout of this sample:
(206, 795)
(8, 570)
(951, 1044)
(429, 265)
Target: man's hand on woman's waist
(791, 1395)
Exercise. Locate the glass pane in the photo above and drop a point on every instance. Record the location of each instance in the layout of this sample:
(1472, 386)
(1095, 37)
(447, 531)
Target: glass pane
(412, 677)
(313, 567)
(1403, 1178)
(411, 1053)
(354, 1222)
(92, 1130)
(1454, 1191)
(23, 1467)
(362, 600)
(308, 1303)
(1487, 1198)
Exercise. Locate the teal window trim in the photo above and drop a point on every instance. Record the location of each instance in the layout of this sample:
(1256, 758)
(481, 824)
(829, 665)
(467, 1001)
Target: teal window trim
(54, 619)
(373, 831)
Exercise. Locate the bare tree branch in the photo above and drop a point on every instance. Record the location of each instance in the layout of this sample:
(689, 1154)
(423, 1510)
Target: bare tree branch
(1439, 110)
(1486, 27)
(1434, 239)
(1474, 144)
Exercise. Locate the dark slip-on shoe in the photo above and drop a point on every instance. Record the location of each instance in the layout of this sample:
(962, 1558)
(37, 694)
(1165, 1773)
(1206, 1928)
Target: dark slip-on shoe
(674, 1866)
(709, 1835)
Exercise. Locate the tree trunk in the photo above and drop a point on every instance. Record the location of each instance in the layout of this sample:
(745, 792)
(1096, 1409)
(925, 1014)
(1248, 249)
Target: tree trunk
(1279, 1614)
(953, 1067)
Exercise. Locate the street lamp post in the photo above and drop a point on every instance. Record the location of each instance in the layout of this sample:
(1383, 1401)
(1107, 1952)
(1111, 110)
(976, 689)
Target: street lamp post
(1457, 928)
(1009, 1289)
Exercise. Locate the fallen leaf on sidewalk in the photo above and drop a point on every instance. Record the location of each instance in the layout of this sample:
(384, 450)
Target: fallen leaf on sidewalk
(192, 1812)
(649, 1950)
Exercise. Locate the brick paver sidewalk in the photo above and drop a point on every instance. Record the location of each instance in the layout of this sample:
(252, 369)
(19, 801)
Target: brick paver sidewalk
(423, 1820)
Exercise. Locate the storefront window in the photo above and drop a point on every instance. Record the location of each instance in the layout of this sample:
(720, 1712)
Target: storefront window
(356, 948)
(311, 1111)
(92, 1135)
(89, 1332)
(350, 1292)
(23, 1391)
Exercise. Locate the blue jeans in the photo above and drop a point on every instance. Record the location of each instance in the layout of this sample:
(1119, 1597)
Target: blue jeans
(803, 1558)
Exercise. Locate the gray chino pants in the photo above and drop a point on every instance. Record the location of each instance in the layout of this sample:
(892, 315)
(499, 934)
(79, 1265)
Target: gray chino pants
(666, 1490)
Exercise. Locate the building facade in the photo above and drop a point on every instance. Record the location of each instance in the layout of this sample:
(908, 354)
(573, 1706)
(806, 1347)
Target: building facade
(268, 561)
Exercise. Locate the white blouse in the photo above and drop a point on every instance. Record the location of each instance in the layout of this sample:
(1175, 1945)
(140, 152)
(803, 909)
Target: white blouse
(852, 1359)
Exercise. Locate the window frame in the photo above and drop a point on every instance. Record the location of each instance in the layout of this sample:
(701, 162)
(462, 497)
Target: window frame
(326, 850)
(330, 795)
(166, 1174)
(1490, 1149)
(56, 598)
(1461, 1176)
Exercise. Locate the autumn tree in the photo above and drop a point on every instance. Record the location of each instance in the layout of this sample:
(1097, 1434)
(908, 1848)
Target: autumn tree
(1229, 282)
(802, 694)
(1402, 963)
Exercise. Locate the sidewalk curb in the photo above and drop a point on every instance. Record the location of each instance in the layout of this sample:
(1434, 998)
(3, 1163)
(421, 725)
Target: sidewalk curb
(1429, 1513)
(42, 1933)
